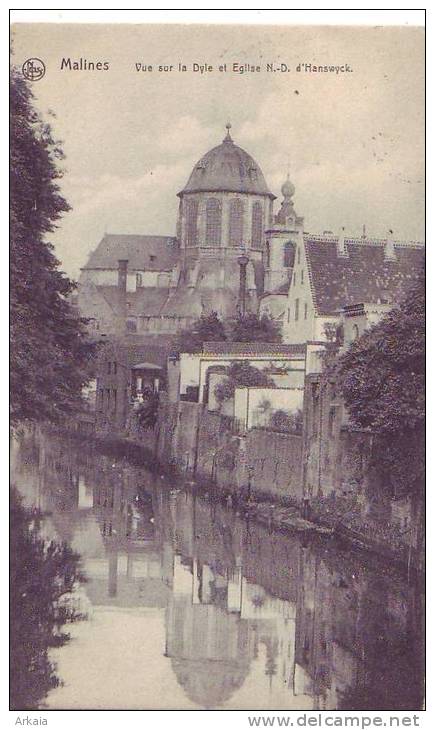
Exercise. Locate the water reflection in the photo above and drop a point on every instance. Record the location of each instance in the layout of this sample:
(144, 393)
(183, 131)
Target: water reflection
(224, 613)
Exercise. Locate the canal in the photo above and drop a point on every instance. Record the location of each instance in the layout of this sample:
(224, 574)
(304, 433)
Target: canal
(190, 606)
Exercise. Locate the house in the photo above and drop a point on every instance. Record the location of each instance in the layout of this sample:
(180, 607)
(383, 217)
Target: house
(194, 376)
(128, 368)
(331, 273)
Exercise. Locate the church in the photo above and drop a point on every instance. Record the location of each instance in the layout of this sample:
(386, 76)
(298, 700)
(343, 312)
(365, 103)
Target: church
(231, 254)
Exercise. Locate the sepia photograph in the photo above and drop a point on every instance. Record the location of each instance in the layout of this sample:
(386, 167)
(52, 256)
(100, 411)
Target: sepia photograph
(217, 293)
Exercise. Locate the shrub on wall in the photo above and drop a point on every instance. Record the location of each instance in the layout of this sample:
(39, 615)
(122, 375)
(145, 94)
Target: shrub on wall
(286, 422)
(240, 373)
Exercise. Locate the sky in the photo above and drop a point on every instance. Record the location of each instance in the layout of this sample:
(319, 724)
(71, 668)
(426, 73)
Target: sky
(353, 142)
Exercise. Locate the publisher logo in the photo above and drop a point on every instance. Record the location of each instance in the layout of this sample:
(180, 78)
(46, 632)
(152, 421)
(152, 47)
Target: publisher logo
(33, 69)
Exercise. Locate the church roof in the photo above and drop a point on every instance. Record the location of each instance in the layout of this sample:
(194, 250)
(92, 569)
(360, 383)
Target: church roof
(144, 253)
(227, 168)
(364, 274)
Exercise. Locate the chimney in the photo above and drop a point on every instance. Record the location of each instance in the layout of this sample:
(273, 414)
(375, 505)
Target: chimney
(122, 292)
(341, 248)
(390, 254)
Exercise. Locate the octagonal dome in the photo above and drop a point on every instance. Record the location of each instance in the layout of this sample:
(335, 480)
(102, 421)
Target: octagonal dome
(227, 168)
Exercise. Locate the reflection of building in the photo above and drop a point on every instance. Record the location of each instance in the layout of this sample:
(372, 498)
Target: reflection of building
(244, 615)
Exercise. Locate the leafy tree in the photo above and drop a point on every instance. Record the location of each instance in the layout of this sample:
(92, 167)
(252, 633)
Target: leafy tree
(49, 349)
(252, 328)
(42, 573)
(286, 422)
(148, 411)
(208, 328)
(240, 373)
(382, 379)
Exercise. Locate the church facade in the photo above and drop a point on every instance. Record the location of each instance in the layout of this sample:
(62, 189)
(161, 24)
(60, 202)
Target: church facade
(232, 253)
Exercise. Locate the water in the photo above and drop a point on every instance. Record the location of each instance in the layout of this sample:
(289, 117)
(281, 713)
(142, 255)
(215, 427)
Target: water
(190, 606)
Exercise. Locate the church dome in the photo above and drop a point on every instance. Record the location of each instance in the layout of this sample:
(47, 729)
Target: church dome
(227, 168)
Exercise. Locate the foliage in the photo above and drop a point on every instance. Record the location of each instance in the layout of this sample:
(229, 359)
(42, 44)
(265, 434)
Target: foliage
(286, 422)
(208, 328)
(382, 379)
(41, 574)
(252, 328)
(240, 372)
(49, 349)
(148, 411)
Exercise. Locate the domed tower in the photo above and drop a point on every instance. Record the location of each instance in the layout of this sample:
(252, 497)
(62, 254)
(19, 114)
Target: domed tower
(224, 207)
(281, 239)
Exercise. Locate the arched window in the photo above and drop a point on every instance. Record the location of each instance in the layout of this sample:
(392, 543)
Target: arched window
(257, 225)
(355, 332)
(236, 223)
(213, 222)
(288, 254)
(191, 222)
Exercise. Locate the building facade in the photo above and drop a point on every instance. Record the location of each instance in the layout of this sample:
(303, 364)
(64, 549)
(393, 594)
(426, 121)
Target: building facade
(232, 253)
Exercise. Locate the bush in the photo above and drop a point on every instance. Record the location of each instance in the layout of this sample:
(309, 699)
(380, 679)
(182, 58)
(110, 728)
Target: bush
(240, 373)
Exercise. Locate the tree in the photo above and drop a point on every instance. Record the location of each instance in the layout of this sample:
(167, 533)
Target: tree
(208, 328)
(148, 411)
(240, 373)
(382, 379)
(49, 348)
(286, 422)
(42, 574)
(252, 328)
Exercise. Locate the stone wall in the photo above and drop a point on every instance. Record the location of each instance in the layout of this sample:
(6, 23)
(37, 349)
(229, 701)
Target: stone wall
(205, 442)
(177, 433)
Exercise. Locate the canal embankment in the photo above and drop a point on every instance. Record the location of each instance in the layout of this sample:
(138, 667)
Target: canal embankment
(262, 474)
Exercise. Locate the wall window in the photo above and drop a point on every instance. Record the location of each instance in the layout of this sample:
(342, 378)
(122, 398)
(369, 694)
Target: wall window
(213, 222)
(236, 223)
(302, 276)
(294, 278)
(305, 310)
(299, 255)
(267, 255)
(288, 315)
(257, 225)
(355, 332)
(296, 309)
(331, 421)
(109, 368)
(288, 254)
(138, 280)
(191, 222)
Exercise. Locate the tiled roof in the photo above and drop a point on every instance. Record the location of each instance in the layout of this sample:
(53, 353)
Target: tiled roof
(145, 301)
(144, 253)
(252, 348)
(363, 275)
(137, 350)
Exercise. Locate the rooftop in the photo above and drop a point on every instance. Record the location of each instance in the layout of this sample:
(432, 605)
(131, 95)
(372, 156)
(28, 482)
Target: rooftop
(144, 253)
(363, 274)
(252, 348)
